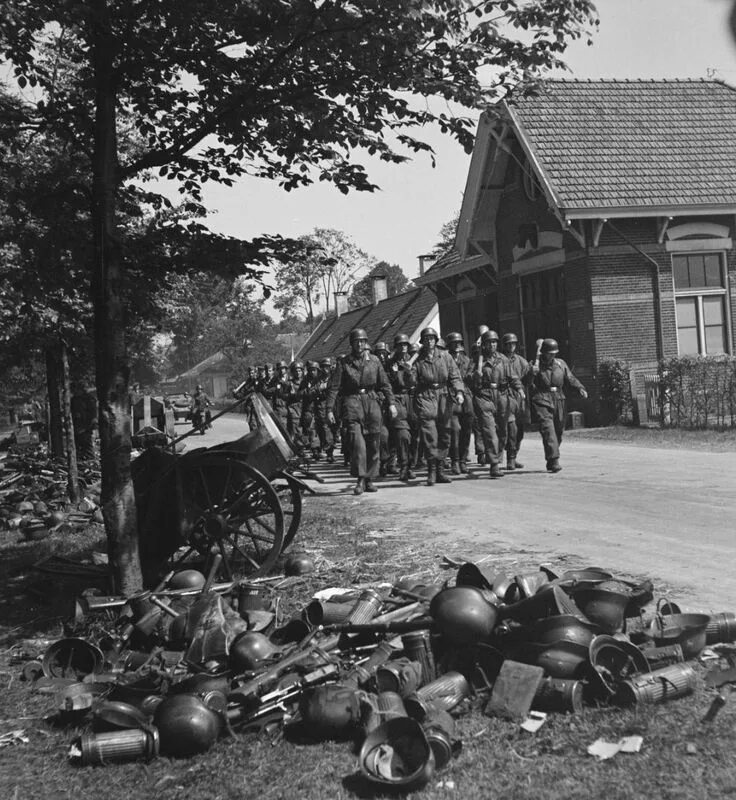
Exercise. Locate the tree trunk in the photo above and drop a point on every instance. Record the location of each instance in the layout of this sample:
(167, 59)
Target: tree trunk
(112, 371)
(56, 435)
(68, 426)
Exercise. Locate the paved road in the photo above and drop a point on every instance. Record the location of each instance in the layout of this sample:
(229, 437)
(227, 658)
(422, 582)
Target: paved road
(667, 514)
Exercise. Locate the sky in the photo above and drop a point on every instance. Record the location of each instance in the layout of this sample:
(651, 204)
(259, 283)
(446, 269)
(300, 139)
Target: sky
(636, 39)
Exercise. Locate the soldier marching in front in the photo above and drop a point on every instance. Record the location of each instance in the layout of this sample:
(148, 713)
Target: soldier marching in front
(551, 378)
(437, 385)
(518, 408)
(360, 379)
(313, 391)
(491, 380)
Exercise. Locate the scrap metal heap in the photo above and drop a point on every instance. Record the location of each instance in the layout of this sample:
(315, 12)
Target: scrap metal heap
(390, 669)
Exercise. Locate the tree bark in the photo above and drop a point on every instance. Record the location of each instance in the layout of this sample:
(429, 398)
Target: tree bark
(56, 435)
(112, 371)
(72, 485)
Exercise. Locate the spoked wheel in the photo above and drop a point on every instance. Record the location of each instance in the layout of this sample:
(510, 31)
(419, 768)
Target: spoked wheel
(289, 490)
(231, 508)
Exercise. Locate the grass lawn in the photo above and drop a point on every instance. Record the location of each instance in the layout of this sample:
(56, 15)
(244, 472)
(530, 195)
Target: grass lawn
(680, 757)
(676, 438)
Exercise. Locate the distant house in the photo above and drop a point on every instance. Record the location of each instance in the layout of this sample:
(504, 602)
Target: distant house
(407, 313)
(213, 373)
(600, 213)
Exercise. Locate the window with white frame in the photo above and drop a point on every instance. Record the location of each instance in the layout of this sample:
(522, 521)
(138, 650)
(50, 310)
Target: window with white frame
(700, 301)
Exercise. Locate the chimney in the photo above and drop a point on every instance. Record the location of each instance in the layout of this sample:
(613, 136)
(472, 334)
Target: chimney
(380, 288)
(341, 303)
(423, 260)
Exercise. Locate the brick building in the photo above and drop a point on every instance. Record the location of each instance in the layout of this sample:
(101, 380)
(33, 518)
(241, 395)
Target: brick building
(600, 213)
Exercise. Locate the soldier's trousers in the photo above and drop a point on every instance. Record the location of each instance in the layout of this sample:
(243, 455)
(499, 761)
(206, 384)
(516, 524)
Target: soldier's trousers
(551, 427)
(492, 419)
(462, 429)
(515, 427)
(434, 413)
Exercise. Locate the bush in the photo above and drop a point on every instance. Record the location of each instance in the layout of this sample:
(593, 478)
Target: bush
(614, 391)
(699, 391)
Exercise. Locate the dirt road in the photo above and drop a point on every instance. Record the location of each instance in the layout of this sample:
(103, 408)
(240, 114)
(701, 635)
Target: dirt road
(665, 514)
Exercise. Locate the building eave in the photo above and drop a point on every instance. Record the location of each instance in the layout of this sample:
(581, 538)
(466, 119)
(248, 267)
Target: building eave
(648, 211)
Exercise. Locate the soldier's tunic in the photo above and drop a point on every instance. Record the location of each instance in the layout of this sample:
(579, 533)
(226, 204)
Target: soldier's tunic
(278, 392)
(360, 380)
(436, 381)
(491, 402)
(518, 406)
(315, 427)
(548, 397)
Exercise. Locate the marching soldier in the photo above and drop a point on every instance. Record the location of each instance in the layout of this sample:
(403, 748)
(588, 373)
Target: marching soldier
(551, 378)
(360, 379)
(247, 384)
(462, 415)
(310, 391)
(437, 385)
(491, 380)
(327, 431)
(518, 409)
(294, 402)
(278, 393)
(380, 350)
(399, 374)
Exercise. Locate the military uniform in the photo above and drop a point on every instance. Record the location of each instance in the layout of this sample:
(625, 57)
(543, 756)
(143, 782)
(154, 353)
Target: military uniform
(399, 374)
(462, 418)
(436, 381)
(547, 389)
(518, 408)
(361, 381)
(491, 404)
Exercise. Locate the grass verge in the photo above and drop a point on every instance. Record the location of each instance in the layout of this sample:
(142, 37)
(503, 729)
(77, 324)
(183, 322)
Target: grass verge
(680, 757)
(715, 441)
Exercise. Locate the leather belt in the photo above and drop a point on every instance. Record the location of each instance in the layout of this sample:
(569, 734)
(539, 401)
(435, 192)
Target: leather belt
(363, 391)
(493, 385)
(553, 388)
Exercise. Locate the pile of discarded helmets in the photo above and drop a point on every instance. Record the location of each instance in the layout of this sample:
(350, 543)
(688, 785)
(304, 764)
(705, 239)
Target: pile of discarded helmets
(390, 670)
(33, 495)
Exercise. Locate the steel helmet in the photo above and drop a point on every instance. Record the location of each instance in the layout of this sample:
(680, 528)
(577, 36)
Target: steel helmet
(441, 344)
(550, 346)
(282, 365)
(249, 649)
(187, 579)
(186, 726)
(400, 338)
(463, 615)
(489, 336)
(380, 347)
(454, 337)
(295, 365)
(413, 348)
(510, 338)
(357, 334)
(427, 332)
(312, 364)
(326, 362)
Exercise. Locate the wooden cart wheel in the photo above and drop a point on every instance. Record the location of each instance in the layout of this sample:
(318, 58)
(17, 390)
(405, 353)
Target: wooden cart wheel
(290, 495)
(230, 507)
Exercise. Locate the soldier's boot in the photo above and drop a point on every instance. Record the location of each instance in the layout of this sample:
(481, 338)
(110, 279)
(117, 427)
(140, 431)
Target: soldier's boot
(369, 487)
(553, 465)
(359, 487)
(431, 472)
(382, 469)
(317, 454)
(481, 458)
(404, 473)
(455, 467)
(442, 477)
(391, 468)
(510, 462)
(330, 455)
(410, 472)
(496, 471)
(463, 468)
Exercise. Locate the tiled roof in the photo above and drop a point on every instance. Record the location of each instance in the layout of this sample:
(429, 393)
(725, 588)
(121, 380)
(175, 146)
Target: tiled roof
(403, 312)
(622, 144)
